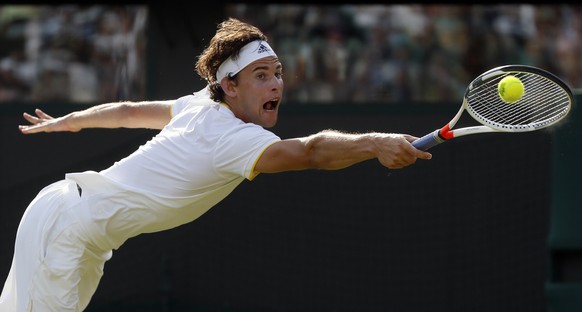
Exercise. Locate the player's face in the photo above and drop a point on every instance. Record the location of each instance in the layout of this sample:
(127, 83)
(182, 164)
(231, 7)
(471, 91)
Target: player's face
(259, 92)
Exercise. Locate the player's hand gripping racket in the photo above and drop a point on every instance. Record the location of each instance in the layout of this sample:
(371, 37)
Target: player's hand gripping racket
(546, 101)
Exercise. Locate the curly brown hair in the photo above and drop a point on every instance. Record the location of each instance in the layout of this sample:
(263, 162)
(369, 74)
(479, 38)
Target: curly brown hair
(231, 35)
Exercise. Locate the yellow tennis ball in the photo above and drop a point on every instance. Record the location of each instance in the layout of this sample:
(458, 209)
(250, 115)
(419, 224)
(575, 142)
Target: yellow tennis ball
(510, 89)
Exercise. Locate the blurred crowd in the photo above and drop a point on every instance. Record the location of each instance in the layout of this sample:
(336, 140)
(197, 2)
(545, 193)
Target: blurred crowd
(412, 53)
(72, 53)
(331, 54)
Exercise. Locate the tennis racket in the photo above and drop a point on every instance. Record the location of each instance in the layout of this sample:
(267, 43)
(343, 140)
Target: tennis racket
(545, 102)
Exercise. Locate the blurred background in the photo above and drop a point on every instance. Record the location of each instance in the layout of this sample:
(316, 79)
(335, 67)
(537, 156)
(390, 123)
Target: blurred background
(490, 224)
(342, 53)
(72, 53)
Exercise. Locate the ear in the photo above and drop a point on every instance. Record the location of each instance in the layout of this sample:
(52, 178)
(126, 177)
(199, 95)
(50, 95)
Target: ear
(228, 86)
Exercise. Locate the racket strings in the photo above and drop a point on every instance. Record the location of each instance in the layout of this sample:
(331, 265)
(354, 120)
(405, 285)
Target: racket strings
(544, 102)
(533, 107)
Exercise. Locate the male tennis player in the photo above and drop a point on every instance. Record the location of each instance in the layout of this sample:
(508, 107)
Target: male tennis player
(209, 143)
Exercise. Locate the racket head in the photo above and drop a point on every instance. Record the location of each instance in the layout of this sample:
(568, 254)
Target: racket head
(546, 99)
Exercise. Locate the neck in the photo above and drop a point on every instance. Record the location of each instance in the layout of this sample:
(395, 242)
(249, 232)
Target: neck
(226, 105)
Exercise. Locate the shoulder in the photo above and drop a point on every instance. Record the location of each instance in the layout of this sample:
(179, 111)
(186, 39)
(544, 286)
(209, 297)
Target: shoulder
(200, 98)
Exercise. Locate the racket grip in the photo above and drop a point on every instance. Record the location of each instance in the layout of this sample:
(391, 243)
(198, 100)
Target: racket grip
(430, 140)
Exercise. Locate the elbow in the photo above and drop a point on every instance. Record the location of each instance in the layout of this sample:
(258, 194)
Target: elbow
(120, 114)
(314, 156)
(312, 162)
(141, 115)
(129, 114)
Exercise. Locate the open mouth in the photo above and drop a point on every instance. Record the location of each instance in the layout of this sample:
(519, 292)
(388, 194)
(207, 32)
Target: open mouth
(271, 105)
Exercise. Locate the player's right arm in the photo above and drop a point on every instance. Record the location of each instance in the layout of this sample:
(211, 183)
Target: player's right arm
(332, 150)
(145, 114)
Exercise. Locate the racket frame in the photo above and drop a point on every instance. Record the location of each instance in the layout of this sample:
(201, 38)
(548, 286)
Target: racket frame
(447, 132)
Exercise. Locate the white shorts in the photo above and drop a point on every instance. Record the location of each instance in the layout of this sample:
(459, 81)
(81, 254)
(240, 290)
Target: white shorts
(53, 269)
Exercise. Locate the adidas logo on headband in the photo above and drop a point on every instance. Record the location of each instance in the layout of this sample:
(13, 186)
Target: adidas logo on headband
(262, 48)
(248, 54)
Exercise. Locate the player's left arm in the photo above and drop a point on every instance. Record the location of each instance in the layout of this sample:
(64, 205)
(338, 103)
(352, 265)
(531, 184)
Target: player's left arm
(145, 114)
(332, 150)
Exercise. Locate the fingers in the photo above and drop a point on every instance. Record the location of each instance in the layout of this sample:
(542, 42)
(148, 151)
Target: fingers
(409, 138)
(37, 123)
(30, 129)
(42, 114)
(423, 155)
(418, 153)
(30, 118)
(24, 129)
(405, 154)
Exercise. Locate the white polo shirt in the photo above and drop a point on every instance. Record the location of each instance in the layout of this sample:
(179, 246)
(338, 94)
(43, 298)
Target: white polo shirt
(199, 158)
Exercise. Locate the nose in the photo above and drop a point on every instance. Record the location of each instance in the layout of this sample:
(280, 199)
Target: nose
(277, 83)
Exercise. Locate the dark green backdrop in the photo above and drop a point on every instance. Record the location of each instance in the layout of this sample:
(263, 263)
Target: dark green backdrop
(466, 231)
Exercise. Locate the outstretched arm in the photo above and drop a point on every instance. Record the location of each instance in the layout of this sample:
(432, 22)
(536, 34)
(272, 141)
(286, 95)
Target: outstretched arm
(147, 114)
(331, 150)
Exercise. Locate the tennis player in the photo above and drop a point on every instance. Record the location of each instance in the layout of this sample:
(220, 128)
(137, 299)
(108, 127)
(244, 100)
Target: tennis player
(209, 142)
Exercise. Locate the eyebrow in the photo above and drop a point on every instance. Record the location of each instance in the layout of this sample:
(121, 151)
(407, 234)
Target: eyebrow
(260, 68)
(265, 67)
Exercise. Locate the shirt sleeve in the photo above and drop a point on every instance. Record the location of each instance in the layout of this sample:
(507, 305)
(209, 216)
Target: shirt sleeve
(239, 150)
(180, 104)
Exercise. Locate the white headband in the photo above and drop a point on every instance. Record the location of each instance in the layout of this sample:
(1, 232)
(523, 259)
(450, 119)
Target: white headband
(251, 52)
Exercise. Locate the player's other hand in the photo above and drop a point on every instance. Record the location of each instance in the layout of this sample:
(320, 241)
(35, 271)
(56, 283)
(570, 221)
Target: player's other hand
(43, 122)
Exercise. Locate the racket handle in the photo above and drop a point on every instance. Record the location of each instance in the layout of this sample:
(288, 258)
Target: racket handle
(428, 141)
